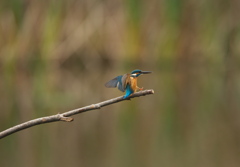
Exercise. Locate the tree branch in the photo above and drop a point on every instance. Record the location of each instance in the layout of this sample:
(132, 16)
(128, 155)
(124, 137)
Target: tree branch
(65, 116)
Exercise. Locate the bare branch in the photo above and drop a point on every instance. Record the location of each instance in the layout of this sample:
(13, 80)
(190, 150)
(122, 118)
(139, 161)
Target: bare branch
(65, 116)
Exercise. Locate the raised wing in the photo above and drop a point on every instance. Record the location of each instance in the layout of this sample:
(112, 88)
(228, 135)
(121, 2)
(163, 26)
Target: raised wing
(120, 82)
(122, 85)
(114, 82)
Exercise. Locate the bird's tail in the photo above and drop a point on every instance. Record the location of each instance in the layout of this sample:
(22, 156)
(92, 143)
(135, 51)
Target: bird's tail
(129, 91)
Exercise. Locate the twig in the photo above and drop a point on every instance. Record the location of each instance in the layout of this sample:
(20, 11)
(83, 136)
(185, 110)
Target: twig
(65, 116)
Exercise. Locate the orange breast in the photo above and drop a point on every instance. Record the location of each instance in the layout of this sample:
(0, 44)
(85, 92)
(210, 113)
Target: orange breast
(133, 84)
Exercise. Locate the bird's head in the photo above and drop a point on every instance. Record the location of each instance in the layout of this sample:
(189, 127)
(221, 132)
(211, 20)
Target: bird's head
(136, 73)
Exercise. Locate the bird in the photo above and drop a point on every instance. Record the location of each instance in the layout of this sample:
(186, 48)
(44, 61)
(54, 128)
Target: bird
(127, 82)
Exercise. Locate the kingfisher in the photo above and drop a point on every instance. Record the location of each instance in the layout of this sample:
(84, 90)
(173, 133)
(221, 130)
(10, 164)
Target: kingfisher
(127, 82)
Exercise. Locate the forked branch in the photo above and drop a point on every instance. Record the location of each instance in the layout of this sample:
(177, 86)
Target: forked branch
(66, 115)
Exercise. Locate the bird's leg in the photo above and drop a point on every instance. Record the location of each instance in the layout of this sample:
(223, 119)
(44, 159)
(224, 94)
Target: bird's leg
(139, 88)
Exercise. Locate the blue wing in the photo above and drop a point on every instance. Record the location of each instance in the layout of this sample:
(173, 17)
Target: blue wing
(116, 82)
(122, 85)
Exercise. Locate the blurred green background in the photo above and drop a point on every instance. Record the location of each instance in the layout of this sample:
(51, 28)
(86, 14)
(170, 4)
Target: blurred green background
(56, 56)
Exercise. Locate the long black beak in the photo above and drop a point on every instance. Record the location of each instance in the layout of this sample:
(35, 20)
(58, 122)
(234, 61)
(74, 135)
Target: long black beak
(146, 72)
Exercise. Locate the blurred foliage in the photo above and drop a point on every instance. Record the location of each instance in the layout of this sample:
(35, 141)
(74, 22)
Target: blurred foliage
(56, 56)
